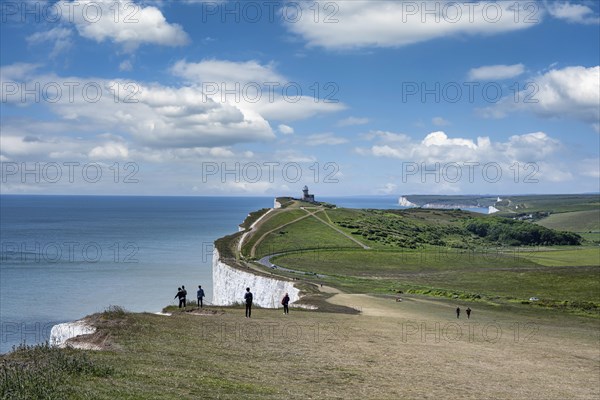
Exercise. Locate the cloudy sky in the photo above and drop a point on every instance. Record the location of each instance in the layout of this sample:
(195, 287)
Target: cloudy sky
(196, 97)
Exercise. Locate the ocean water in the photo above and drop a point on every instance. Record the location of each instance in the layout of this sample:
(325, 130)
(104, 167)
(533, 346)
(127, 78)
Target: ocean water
(64, 257)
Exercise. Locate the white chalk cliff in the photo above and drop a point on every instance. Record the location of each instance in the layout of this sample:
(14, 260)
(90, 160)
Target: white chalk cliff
(59, 334)
(229, 286)
(403, 202)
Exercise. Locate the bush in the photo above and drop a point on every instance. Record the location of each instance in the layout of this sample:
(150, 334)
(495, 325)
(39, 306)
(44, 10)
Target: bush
(518, 233)
(114, 312)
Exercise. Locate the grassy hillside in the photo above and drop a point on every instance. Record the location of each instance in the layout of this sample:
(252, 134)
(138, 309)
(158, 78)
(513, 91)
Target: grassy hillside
(386, 352)
(297, 227)
(496, 277)
(309, 233)
(576, 221)
(437, 252)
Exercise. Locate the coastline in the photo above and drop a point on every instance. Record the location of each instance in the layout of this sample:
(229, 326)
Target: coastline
(228, 285)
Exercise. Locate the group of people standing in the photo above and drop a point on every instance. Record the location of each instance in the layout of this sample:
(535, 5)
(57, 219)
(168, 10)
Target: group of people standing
(248, 298)
(182, 296)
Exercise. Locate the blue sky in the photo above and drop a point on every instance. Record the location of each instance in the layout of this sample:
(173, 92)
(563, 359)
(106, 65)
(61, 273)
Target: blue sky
(261, 98)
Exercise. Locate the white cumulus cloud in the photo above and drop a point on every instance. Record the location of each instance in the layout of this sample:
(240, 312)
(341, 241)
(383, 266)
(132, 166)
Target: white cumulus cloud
(123, 22)
(109, 151)
(361, 24)
(573, 13)
(571, 92)
(496, 72)
(254, 86)
(154, 115)
(285, 129)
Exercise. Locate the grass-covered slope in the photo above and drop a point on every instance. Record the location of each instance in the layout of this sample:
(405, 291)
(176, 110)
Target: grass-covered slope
(440, 252)
(576, 221)
(492, 276)
(387, 352)
(308, 233)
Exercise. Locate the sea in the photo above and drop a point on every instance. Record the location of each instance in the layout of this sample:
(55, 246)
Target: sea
(65, 257)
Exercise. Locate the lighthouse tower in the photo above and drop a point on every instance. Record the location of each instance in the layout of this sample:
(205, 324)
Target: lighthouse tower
(307, 196)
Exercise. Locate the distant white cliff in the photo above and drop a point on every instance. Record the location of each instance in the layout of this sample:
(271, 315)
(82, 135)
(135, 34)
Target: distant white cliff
(403, 201)
(59, 334)
(229, 286)
(492, 210)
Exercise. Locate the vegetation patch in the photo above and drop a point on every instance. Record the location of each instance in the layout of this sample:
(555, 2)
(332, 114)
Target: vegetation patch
(518, 233)
(44, 372)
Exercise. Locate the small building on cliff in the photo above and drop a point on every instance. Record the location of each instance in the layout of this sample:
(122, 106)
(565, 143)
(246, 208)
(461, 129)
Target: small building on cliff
(307, 196)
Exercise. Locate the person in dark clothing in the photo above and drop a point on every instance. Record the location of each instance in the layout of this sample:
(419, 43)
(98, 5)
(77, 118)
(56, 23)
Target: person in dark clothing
(285, 301)
(468, 312)
(184, 295)
(200, 295)
(248, 298)
(457, 312)
(181, 297)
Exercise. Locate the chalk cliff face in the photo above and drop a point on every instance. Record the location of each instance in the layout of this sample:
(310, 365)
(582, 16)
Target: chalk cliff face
(59, 334)
(403, 202)
(492, 209)
(229, 286)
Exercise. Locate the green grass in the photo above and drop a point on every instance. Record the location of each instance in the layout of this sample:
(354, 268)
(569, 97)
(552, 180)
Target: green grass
(227, 245)
(252, 217)
(554, 203)
(308, 233)
(591, 238)
(272, 221)
(436, 252)
(188, 356)
(565, 256)
(492, 276)
(44, 372)
(321, 355)
(373, 263)
(576, 221)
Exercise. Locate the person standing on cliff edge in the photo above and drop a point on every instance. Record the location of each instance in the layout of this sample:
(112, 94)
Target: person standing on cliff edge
(184, 293)
(181, 297)
(200, 295)
(285, 302)
(248, 299)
